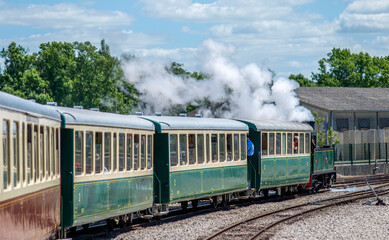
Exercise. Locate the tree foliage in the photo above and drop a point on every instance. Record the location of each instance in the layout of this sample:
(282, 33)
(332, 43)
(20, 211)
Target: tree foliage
(324, 136)
(68, 73)
(303, 81)
(341, 68)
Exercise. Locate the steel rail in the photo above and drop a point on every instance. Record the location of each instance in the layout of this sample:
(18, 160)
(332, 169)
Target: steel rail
(353, 194)
(367, 195)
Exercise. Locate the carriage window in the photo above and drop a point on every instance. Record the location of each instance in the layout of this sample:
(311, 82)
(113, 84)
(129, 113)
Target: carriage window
(143, 152)
(107, 152)
(30, 168)
(283, 147)
(6, 160)
(23, 155)
(229, 147)
(182, 149)
(173, 150)
(278, 143)
(214, 147)
(307, 143)
(243, 146)
(236, 147)
(295, 143)
(16, 165)
(271, 143)
(52, 152)
(264, 144)
(98, 152)
(136, 151)
(79, 165)
(48, 156)
(149, 152)
(41, 155)
(88, 152)
(289, 143)
(200, 148)
(114, 153)
(222, 147)
(129, 152)
(121, 152)
(35, 156)
(208, 152)
(301, 147)
(192, 148)
(57, 159)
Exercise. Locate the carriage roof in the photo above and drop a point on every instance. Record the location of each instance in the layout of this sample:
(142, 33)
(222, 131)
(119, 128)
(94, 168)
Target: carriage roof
(11, 102)
(88, 117)
(195, 123)
(271, 125)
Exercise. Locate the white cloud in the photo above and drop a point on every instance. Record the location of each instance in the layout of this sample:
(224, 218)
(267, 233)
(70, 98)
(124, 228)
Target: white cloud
(118, 40)
(60, 16)
(365, 16)
(269, 32)
(221, 10)
(368, 6)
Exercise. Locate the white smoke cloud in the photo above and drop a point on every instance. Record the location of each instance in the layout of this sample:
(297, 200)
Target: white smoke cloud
(246, 92)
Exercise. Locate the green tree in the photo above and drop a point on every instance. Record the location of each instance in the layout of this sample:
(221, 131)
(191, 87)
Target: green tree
(324, 135)
(303, 81)
(68, 73)
(56, 62)
(342, 68)
(16, 61)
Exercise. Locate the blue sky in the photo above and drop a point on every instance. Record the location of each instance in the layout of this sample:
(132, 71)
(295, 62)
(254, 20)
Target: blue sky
(287, 36)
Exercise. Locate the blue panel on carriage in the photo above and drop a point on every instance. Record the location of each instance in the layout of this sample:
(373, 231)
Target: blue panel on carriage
(194, 123)
(14, 103)
(96, 118)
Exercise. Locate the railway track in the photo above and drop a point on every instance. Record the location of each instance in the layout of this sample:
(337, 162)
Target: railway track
(259, 226)
(101, 230)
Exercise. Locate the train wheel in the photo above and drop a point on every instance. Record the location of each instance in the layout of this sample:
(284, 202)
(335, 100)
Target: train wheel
(195, 203)
(226, 199)
(214, 202)
(123, 221)
(130, 219)
(265, 193)
(184, 205)
(72, 231)
(111, 224)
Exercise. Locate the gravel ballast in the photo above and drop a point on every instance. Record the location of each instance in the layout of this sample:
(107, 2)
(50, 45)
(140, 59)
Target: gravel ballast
(352, 221)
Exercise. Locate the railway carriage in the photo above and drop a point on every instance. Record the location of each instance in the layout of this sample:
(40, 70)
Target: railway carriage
(61, 168)
(29, 170)
(107, 167)
(323, 172)
(282, 160)
(198, 158)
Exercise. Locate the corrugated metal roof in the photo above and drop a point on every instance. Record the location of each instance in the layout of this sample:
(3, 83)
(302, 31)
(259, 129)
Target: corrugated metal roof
(279, 125)
(197, 123)
(345, 99)
(88, 117)
(12, 102)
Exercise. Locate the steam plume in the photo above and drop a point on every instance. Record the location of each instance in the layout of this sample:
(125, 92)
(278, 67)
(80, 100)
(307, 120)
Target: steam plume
(231, 92)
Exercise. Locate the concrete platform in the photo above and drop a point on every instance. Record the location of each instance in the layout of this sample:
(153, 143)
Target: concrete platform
(362, 169)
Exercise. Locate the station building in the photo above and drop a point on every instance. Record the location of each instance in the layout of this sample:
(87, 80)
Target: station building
(359, 115)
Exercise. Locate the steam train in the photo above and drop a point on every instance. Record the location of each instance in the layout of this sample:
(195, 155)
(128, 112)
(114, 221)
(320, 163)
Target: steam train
(66, 167)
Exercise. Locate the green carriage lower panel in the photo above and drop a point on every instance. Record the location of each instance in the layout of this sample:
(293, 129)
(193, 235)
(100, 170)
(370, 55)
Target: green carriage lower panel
(284, 171)
(94, 201)
(199, 183)
(323, 161)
